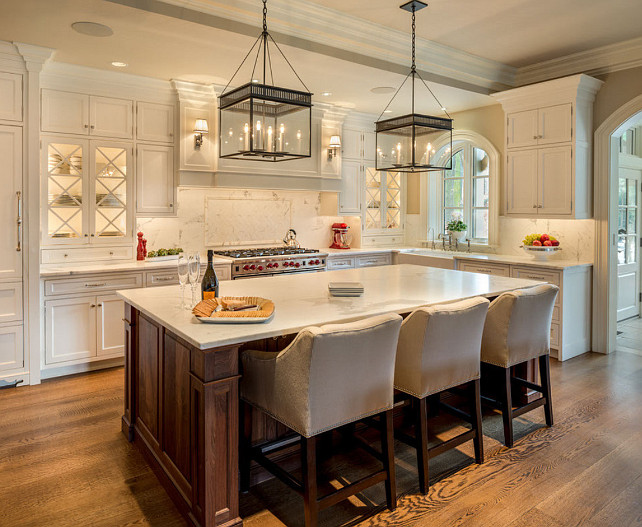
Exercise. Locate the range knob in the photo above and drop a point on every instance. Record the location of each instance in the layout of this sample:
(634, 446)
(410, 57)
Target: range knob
(311, 262)
(285, 264)
(246, 267)
(276, 265)
(269, 266)
(260, 268)
(317, 262)
(252, 267)
(297, 264)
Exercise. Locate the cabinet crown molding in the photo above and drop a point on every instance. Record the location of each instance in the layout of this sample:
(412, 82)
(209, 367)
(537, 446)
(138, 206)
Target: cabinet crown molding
(567, 89)
(190, 91)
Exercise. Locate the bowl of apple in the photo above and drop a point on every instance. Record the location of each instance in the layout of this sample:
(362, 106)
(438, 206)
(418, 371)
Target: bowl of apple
(540, 246)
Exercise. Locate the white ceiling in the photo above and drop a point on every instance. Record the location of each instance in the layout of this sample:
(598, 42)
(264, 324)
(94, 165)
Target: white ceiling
(514, 32)
(168, 48)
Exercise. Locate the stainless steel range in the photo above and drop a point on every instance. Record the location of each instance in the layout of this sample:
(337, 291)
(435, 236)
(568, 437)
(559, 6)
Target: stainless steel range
(267, 261)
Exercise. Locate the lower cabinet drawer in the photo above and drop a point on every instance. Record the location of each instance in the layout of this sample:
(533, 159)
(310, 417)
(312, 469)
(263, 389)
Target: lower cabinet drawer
(551, 277)
(485, 268)
(555, 335)
(161, 278)
(11, 348)
(86, 254)
(373, 260)
(224, 272)
(340, 263)
(556, 314)
(11, 302)
(87, 285)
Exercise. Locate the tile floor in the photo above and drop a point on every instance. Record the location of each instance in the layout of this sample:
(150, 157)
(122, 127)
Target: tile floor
(630, 335)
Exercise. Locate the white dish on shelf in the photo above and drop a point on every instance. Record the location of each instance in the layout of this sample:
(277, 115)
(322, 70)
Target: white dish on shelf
(541, 252)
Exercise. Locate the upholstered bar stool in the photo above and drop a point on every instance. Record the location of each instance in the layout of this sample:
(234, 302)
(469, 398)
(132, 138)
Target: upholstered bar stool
(327, 377)
(518, 329)
(439, 350)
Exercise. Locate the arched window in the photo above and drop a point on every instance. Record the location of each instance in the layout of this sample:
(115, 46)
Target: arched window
(468, 191)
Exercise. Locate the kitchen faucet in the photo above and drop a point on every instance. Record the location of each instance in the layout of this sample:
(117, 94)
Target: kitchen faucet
(443, 237)
(432, 230)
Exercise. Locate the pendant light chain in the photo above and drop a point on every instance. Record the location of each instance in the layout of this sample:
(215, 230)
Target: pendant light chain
(264, 16)
(413, 38)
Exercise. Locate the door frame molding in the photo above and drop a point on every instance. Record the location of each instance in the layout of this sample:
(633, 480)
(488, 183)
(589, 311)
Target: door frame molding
(606, 148)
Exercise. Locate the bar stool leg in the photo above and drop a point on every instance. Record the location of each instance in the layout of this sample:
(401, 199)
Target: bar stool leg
(309, 470)
(478, 440)
(545, 374)
(246, 443)
(507, 411)
(421, 435)
(388, 451)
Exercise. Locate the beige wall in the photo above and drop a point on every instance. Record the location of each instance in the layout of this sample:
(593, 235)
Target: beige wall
(618, 89)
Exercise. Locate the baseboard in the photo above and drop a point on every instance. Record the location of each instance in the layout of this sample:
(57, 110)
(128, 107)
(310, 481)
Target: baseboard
(72, 369)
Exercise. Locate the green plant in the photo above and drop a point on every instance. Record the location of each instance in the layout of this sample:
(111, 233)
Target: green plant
(151, 254)
(456, 226)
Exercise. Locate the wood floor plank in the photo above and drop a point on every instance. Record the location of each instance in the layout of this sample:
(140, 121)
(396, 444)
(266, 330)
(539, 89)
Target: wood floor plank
(68, 464)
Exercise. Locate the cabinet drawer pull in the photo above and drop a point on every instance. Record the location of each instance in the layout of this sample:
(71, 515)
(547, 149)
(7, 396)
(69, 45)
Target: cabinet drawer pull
(535, 277)
(480, 270)
(95, 285)
(165, 278)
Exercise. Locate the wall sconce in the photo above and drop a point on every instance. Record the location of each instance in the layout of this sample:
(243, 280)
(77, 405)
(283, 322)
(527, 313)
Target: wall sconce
(333, 148)
(200, 128)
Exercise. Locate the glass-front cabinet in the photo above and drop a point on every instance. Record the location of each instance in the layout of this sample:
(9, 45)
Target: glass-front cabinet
(382, 212)
(88, 190)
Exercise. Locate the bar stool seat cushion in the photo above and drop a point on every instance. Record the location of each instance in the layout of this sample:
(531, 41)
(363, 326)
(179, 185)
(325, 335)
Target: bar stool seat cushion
(439, 347)
(328, 376)
(518, 326)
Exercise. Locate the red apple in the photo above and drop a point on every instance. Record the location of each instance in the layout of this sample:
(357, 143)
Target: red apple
(548, 243)
(555, 243)
(544, 237)
(537, 243)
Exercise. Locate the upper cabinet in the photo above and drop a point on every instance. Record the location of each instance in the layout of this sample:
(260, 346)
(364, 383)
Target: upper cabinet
(78, 113)
(549, 148)
(358, 144)
(155, 185)
(10, 97)
(155, 122)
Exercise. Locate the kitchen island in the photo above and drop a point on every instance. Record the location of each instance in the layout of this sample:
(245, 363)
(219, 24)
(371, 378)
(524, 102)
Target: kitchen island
(182, 376)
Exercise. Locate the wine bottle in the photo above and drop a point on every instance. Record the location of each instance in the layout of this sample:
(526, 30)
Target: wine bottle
(209, 285)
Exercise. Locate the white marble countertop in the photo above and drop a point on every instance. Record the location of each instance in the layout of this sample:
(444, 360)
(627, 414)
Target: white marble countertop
(553, 263)
(302, 300)
(59, 270)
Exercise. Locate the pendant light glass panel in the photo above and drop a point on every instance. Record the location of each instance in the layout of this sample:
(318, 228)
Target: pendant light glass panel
(265, 123)
(407, 143)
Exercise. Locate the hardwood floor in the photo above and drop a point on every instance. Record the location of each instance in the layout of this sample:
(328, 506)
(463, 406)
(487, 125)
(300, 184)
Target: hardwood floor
(63, 461)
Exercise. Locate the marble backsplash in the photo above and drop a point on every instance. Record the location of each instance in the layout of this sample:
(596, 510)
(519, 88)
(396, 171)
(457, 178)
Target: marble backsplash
(215, 217)
(577, 237)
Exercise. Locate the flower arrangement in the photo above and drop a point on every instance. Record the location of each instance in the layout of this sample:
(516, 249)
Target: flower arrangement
(456, 226)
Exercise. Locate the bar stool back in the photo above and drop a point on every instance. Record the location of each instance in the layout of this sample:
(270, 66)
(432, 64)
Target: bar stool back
(439, 349)
(518, 329)
(327, 377)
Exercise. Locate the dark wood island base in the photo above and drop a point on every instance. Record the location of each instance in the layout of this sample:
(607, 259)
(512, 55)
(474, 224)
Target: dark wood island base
(181, 411)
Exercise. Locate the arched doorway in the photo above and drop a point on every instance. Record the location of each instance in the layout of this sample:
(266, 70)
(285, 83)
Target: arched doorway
(607, 209)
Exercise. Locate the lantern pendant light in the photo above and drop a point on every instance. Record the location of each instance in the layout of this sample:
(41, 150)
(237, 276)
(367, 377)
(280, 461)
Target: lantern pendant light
(405, 143)
(260, 121)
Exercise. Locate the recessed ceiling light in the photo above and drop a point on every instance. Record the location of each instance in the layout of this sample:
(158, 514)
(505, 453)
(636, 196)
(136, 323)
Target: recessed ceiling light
(382, 89)
(443, 108)
(387, 111)
(119, 64)
(255, 81)
(326, 93)
(92, 29)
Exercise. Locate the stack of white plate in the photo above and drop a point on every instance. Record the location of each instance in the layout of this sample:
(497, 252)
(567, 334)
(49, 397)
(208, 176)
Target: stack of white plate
(345, 288)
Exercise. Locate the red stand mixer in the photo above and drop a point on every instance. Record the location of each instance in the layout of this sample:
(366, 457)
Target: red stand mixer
(340, 237)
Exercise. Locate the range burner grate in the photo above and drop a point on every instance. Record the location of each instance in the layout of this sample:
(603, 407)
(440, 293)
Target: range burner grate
(264, 251)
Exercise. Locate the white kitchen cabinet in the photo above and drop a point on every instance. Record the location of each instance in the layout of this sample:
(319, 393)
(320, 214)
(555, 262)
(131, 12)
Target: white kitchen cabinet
(548, 125)
(82, 114)
(555, 192)
(10, 302)
(10, 97)
(493, 269)
(373, 260)
(70, 329)
(351, 185)
(336, 261)
(548, 144)
(110, 117)
(11, 202)
(358, 144)
(155, 180)
(87, 187)
(11, 348)
(109, 311)
(536, 184)
(65, 112)
(155, 122)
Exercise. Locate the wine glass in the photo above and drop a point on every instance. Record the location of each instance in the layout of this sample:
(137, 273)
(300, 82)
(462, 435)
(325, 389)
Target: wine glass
(183, 273)
(194, 273)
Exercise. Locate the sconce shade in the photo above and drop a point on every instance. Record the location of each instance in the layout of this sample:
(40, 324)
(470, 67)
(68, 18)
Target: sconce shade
(335, 141)
(201, 126)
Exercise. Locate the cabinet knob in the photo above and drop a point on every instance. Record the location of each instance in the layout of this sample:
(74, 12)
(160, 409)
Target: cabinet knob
(535, 137)
(92, 127)
(92, 305)
(86, 126)
(534, 206)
